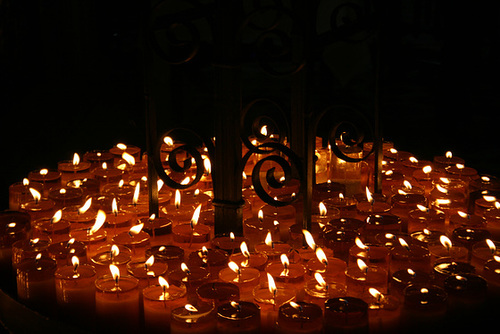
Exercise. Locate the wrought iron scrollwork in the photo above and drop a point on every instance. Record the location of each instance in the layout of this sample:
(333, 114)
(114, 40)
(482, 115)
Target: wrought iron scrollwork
(174, 162)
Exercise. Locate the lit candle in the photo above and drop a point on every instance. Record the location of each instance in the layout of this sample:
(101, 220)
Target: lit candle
(375, 254)
(237, 317)
(192, 277)
(97, 158)
(381, 223)
(300, 317)
(64, 251)
(146, 271)
(345, 204)
(212, 259)
(118, 221)
(159, 228)
(371, 205)
(405, 255)
(404, 277)
(492, 217)
(255, 229)
(340, 240)
(292, 274)
(173, 256)
(361, 276)
(159, 300)
(117, 302)
(245, 278)
(38, 207)
(111, 254)
(55, 227)
(46, 177)
(327, 265)
(80, 216)
(323, 287)
(193, 319)
(346, 314)
(424, 307)
(135, 239)
(218, 293)
(383, 312)
(483, 251)
(178, 212)
(273, 249)
(75, 292)
(106, 173)
(92, 237)
(230, 243)
(247, 259)
(192, 232)
(446, 249)
(73, 169)
(425, 218)
(19, 193)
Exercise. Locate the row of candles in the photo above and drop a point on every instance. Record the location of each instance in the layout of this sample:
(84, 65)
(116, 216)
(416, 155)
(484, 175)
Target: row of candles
(82, 247)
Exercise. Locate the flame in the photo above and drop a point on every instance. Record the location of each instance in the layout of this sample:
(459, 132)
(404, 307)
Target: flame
(38, 256)
(190, 308)
(186, 180)
(263, 130)
(244, 249)
(163, 282)
(260, 215)
(136, 229)
(36, 195)
(296, 306)
(114, 207)
(76, 159)
(489, 198)
(497, 205)
(121, 146)
(185, 268)
(85, 206)
(236, 305)
(448, 155)
(460, 166)
(393, 150)
(341, 196)
(362, 265)
(207, 165)
(75, 261)
(104, 165)
(321, 281)
(168, 141)
(26, 182)
(115, 272)
(413, 160)
(422, 208)
(231, 236)
(99, 221)
(491, 246)
(445, 180)
(445, 241)
(411, 272)
(360, 244)
(128, 158)
(402, 192)
(322, 209)
(150, 261)
(115, 250)
(269, 239)
(196, 216)
(234, 267)
(271, 284)
(56, 217)
(496, 258)
(463, 214)
(369, 195)
(309, 239)
(375, 293)
(443, 201)
(160, 184)
(403, 243)
(427, 169)
(407, 184)
(44, 171)
(441, 189)
(11, 225)
(62, 191)
(177, 200)
(137, 189)
(284, 260)
(424, 290)
(320, 254)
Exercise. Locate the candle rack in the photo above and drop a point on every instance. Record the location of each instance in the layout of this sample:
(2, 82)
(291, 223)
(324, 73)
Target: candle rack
(282, 46)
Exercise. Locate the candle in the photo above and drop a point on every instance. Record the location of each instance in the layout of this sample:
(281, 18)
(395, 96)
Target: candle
(245, 278)
(270, 297)
(383, 312)
(256, 229)
(146, 271)
(29, 248)
(462, 172)
(124, 193)
(408, 255)
(212, 259)
(404, 277)
(369, 253)
(111, 254)
(469, 236)
(292, 274)
(56, 228)
(238, 317)
(46, 177)
(230, 243)
(218, 293)
(466, 294)
(38, 207)
(285, 215)
(117, 302)
(327, 265)
(35, 283)
(425, 218)
(492, 217)
(346, 314)
(139, 206)
(192, 232)
(247, 259)
(449, 195)
(64, 251)
(173, 256)
(461, 218)
(118, 221)
(483, 203)
(119, 149)
(19, 193)
(361, 276)
(448, 159)
(446, 249)
(491, 273)
(323, 287)
(384, 223)
(158, 301)
(106, 173)
(89, 186)
(340, 241)
(446, 267)
(178, 212)
(483, 251)
(75, 293)
(424, 307)
(193, 319)
(92, 237)
(79, 216)
(73, 169)
(97, 158)
(426, 237)
(159, 228)
(135, 239)
(300, 317)
(272, 249)
(345, 204)
(403, 203)
(192, 277)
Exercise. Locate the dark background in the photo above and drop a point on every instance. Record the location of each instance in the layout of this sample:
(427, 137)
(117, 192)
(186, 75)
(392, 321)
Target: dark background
(72, 80)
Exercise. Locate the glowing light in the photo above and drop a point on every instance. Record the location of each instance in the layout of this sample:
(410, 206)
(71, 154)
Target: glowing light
(190, 308)
(36, 195)
(177, 200)
(136, 229)
(309, 239)
(446, 242)
(56, 217)
(85, 206)
(137, 191)
(121, 146)
(320, 254)
(427, 169)
(322, 209)
(99, 222)
(128, 158)
(196, 216)
(76, 159)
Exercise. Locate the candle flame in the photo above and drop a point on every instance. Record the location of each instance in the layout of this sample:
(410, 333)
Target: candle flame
(56, 217)
(99, 222)
(402, 192)
(413, 160)
(320, 254)
(207, 165)
(185, 268)
(460, 166)
(427, 169)
(244, 249)
(445, 241)
(360, 244)
(341, 196)
(75, 261)
(104, 165)
(260, 215)
(177, 200)
(85, 206)
(271, 284)
(407, 184)
(489, 198)
(121, 146)
(160, 184)
(76, 159)
(114, 207)
(234, 267)
(309, 239)
(375, 293)
(269, 239)
(321, 281)
(362, 265)
(403, 243)
(263, 130)
(496, 258)
(369, 195)
(422, 208)
(168, 141)
(445, 180)
(128, 158)
(322, 209)
(115, 272)
(115, 250)
(296, 306)
(190, 308)
(491, 246)
(441, 189)
(411, 272)
(137, 190)
(44, 171)
(163, 282)
(26, 182)
(497, 205)
(36, 195)
(150, 261)
(448, 155)
(196, 216)
(136, 229)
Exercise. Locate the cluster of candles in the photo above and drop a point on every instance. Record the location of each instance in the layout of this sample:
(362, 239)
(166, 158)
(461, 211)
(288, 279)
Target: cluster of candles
(80, 246)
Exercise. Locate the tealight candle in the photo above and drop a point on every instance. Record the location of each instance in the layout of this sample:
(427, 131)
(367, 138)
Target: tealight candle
(491, 273)
(111, 254)
(46, 177)
(118, 221)
(290, 273)
(172, 255)
(386, 223)
(56, 228)
(272, 249)
(340, 241)
(484, 203)
(178, 212)
(285, 215)
(369, 253)
(192, 277)
(146, 271)
(461, 218)
(383, 312)
(327, 265)
(98, 157)
(218, 293)
(75, 293)
(135, 239)
(35, 283)
(483, 251)
(425, 218)
(361, 276)
(256, 229)
(466, 293)
(237, 317)
(408, 255)
(403, 203)
(469, 236)
(447, 160)
(213, 259)
(446, 249)
(462, 172)
(93, 237)
(121, 148)
(426, 237)
(404, 277)
(107, 174)
(137, 207)
(445, 268)
(345, 204)
(29, 248)
(372, 204)
(323, 287)
(197, 318)
(89, 186)
(158, 301)
(247, 259)
(38, 207)
(346, 314)
(449, 195)
(229, 243)
(80, 216)
(245, 278)
(64, 251)
(192, 232)
(19, 193)
(300, 317)
(73, 169)
(424, 307)
(159, 228)
(117, 302)
(124, 193)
